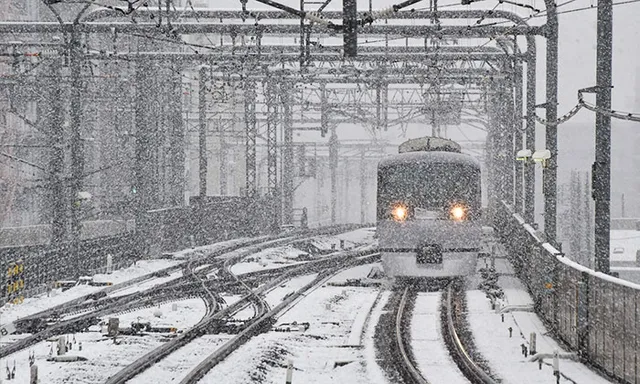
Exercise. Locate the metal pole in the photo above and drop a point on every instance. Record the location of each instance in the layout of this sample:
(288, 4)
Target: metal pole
(287, 166)
(143, 154)
(602, 174)
(77, 150)
(507, 139)
(56, 161)
(530, 130)
(202, 132)
(251, 133)
(333, 166)
(518, 136)
(272, 151)
(345, 204)
(550, 173)
(176, 140)
(350, 27)
(223, 158)
(363, 188)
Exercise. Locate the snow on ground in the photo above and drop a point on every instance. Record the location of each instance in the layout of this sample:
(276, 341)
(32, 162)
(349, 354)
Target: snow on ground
(206, 249)
(31, 305)
(104, 357)
(504, 353)
(429, 350)
(174, 368)
(187, 314)
(246, 313)
(334, 316)
(268, 259)
(148, 284)
(358, 272)
(359, 237)
(277, 294)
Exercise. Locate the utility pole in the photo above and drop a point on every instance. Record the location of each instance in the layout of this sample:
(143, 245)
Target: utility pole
(176, 139)
(602, 166)
(77, 150)
(333, 166)
(250, 136)
(350, 27)
(287, 165)
(56, 160)
(550, 173)
(223, 157)
(346, 201)
(272, 151)
(518, 136)
(202, 131)
(363, 188)
(530, 128)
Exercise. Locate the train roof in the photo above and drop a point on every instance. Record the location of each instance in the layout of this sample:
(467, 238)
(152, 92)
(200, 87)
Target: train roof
(429, 144)
(415, 158)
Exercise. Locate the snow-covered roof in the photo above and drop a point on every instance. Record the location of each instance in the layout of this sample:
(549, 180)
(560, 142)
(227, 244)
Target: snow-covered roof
(416, 158)
(624, 245)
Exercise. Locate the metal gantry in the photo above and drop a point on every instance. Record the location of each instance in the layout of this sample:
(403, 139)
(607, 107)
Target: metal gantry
(370, 88)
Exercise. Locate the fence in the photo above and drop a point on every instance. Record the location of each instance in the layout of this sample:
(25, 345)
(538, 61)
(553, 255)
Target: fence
(593, 313)
(46, 264)
(206, 221)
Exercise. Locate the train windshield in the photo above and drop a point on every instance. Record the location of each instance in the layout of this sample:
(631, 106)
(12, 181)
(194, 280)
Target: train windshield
(429, 186)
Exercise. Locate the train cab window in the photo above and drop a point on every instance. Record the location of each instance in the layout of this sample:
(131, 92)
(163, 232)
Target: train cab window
(429, 186)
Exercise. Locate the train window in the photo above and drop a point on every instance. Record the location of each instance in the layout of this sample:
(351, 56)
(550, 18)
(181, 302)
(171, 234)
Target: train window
(430, 185)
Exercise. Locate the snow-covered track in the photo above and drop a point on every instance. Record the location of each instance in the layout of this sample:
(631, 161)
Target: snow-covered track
(266, 319)
(406, 366)
(455, 343)
(253, 297)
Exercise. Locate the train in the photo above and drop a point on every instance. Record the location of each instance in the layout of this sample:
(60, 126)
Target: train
(429, 211)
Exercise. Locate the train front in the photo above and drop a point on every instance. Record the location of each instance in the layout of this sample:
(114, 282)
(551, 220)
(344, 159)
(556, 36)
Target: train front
(428, 209)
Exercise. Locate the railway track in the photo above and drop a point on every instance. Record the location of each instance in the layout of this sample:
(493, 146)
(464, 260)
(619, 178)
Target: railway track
(457, 344)
(407, 367)
(224, 248)
(400, 353)
(261, 321)
(266, 318)
(169, 291)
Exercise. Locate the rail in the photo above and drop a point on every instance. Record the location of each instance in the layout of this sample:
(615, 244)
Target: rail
(595, 314)
(265, 321)
(411, 373)
(471, 370)
(204, 325)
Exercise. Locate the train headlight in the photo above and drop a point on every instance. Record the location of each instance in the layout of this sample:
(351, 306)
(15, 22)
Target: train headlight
(458, 212)
(399, 213)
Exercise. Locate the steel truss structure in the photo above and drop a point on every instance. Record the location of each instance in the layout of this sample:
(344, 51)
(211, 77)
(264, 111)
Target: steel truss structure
(308, 85)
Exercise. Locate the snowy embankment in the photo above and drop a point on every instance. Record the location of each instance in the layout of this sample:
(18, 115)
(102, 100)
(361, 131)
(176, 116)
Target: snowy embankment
(504, 352)
(325, 352)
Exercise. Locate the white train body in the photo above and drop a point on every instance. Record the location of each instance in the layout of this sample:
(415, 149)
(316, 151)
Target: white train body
(428, 211)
